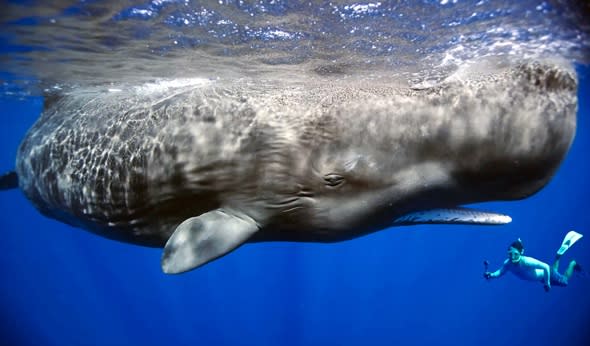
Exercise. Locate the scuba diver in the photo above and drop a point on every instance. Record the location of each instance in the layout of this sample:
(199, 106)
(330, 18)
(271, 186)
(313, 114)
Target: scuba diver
(531, 269)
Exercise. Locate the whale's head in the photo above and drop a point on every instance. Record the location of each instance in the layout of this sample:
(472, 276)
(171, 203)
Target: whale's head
(397, 155)
(523, 131)
(367, 158)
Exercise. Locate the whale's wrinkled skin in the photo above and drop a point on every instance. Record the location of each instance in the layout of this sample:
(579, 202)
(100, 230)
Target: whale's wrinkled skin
(204, 167)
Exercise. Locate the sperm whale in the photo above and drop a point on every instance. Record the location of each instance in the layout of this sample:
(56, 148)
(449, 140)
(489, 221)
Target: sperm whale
(202, 167)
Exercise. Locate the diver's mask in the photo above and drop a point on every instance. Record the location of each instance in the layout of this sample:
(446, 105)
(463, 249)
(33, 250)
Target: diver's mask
(515, 251)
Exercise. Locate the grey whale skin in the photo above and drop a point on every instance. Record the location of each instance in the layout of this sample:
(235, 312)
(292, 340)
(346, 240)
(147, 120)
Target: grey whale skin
(202, 168)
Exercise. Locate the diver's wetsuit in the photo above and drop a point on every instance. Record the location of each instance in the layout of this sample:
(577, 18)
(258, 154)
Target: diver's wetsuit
(531, 269)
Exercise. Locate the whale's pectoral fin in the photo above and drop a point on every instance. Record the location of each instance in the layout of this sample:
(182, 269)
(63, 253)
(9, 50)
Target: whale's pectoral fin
(201, 239)
(463, 216)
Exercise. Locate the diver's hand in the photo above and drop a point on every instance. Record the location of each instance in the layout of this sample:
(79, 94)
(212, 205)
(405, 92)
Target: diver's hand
(487, 275)
(547, 287)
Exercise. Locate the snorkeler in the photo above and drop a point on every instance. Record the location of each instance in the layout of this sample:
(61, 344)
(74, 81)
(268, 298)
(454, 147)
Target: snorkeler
(531, 269)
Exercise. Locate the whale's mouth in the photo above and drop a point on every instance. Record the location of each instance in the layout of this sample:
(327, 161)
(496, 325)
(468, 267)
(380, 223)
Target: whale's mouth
(457, 215)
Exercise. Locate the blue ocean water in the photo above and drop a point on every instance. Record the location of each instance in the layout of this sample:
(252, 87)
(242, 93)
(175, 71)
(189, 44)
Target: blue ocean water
(419, 285)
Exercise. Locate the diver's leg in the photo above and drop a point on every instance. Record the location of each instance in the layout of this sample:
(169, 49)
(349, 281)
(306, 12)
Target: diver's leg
(570, 269)
(555, 265)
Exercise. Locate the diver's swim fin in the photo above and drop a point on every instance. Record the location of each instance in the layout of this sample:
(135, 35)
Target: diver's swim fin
(570, 239)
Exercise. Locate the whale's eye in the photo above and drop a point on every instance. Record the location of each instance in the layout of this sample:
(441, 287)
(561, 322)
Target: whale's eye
(333, 180)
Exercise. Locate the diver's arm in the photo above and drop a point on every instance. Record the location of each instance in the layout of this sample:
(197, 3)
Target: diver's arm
(498, 272)
(547, 276)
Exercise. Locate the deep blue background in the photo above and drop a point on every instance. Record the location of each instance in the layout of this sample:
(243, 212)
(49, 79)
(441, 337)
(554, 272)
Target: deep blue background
(402, 286)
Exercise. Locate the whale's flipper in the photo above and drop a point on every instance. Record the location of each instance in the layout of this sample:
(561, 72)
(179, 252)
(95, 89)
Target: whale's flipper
(9, 181)
(201, 239)
(570, 239)
(453, 216)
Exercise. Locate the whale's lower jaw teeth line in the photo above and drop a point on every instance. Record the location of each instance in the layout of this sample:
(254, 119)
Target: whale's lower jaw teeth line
(459, 215)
